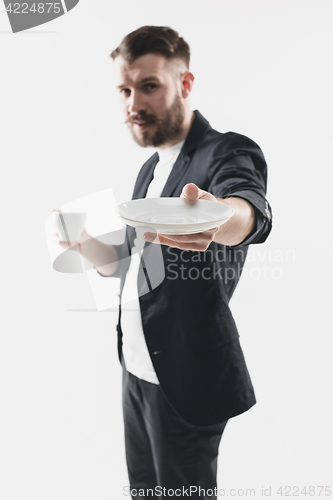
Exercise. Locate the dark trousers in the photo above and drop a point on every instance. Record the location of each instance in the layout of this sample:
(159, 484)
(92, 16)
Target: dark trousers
(163, 452)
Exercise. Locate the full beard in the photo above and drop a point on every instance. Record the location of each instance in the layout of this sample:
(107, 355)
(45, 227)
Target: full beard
(168, 128)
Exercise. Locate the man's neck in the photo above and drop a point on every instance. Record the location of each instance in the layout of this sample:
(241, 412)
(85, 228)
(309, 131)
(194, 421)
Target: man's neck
(188, 120)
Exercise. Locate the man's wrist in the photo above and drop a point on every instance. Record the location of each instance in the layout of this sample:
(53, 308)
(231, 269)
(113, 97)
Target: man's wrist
(239, 226)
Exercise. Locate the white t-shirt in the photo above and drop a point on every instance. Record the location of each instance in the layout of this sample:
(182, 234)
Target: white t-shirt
(135, 351)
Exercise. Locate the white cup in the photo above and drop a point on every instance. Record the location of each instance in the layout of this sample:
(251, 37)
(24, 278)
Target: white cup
(68, 225)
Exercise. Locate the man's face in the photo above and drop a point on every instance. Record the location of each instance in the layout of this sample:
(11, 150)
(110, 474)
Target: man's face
(151, 99)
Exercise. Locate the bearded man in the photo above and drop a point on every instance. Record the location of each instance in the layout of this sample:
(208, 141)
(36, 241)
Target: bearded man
(184, 373)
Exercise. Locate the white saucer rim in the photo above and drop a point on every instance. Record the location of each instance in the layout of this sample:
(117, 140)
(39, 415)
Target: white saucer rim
(228, 215)
(177, 228)
(193, 224)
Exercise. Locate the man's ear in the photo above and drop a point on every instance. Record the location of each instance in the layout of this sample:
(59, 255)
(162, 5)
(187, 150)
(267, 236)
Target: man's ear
(187, 80)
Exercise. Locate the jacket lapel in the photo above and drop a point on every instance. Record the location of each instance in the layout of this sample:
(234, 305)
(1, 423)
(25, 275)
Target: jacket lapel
(175, 182)
(145, 177)
(176, 175)
(143, 180)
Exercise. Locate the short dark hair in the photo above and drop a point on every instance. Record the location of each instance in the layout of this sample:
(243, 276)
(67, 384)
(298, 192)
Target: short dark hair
(156, 40)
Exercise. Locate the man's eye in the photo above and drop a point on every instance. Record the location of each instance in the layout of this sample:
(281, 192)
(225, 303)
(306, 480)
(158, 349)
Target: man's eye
(125, 92)
(150, 86)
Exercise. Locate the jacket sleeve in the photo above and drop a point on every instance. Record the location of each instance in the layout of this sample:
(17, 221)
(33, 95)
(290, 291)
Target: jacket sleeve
(243, 174)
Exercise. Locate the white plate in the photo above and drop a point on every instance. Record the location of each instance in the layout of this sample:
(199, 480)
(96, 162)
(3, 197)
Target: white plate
(174, 215)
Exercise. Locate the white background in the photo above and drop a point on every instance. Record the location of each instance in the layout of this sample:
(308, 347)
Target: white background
(263, 69)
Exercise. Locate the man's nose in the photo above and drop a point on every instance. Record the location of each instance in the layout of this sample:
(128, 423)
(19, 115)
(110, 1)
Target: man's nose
(136, 102)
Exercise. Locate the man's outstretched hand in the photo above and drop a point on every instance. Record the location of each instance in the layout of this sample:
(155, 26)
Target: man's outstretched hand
(192, 192)
(197, 241)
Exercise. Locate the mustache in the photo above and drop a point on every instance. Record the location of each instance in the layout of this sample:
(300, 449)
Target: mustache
(142, 117)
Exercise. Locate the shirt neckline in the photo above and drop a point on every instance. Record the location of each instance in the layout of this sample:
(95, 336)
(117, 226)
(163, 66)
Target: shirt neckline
(168, 153)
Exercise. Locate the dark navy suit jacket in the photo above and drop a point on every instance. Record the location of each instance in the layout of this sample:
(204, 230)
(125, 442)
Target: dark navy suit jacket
(189, 329)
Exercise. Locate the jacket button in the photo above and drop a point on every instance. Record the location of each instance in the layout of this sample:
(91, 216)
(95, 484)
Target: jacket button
(157, 352)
